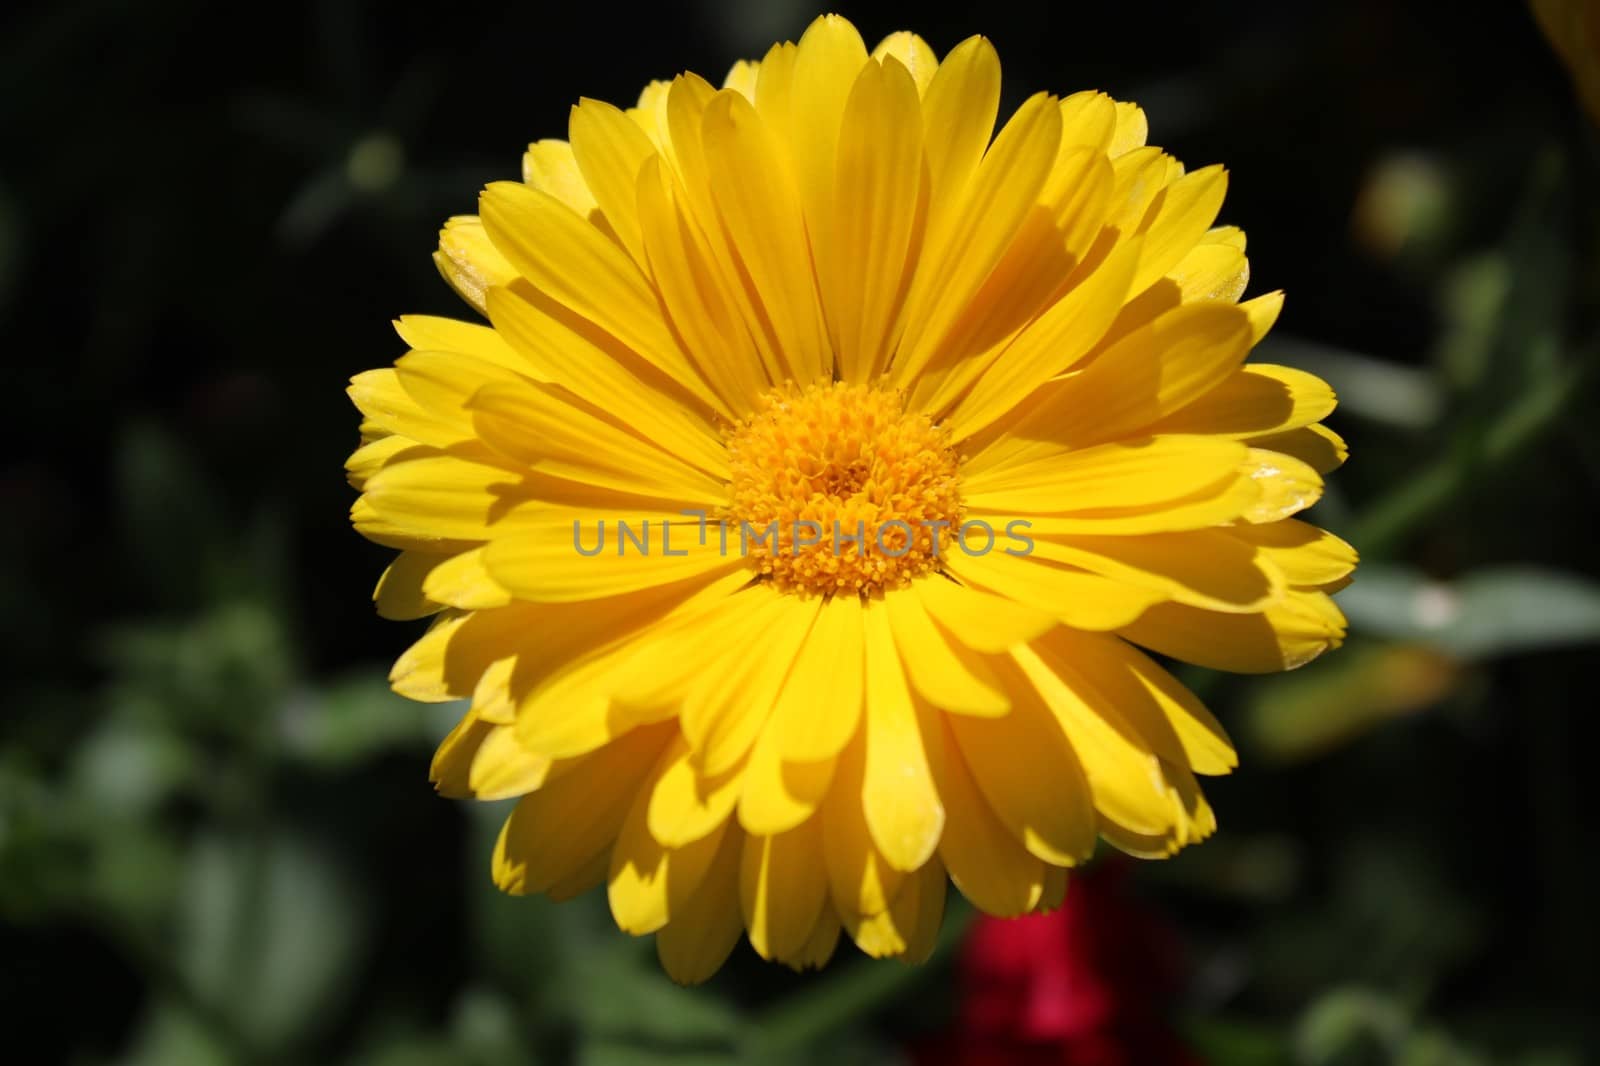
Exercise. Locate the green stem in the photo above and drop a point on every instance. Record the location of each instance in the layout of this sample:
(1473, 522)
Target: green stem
(1412, 503)
(830, 1006)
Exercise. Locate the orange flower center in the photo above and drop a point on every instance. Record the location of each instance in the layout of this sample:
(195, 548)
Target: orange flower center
(838, 488)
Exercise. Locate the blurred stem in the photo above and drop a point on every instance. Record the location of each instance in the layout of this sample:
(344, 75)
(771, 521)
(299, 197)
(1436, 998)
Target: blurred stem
(1415, 500)
(830, 1006)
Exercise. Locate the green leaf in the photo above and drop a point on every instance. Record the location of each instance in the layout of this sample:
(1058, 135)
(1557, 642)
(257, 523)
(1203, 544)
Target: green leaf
(1492, 612)
(1351, 1025)
(357, 717)
(271, 930)
(624, 997)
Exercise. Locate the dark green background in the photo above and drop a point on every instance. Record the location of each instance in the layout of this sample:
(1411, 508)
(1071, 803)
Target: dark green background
(217, 841)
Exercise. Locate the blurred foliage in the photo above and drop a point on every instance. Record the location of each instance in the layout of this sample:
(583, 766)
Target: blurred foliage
(217, 844)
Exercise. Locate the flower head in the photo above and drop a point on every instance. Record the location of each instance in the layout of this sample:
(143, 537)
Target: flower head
(795, 519)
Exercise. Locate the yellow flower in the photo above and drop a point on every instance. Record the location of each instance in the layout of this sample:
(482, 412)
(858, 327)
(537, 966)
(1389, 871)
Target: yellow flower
(792, 523)
(1573, 27)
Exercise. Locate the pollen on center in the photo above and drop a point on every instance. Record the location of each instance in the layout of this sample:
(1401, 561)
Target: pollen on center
(838, 488)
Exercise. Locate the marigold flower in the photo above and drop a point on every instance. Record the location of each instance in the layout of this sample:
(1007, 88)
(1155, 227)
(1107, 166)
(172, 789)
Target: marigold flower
(791, 523)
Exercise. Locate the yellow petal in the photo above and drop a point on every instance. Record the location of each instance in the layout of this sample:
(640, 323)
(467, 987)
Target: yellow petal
(861, 881)
(1132, 129)
(783, 886)
(1286, 635)
(1288, 486)
(1141, 473)
(820, 706)
(555, 347)
(779, 795)
(898, 797)
(981, 621)
(1211, 272)
(1319, 447)
(440, 384)
(1123, 771)
(1213, 504)
(649, 884)
(1083, 600)
(1202, 567)
(452, 759)
(610, 148)
(493, 699)
(442, 496)
(552, 167)
(693, 294)
(819, 946)
(550, 431)
(469, 261)
(544, 558)
(429, 333)
(1257, 399)
(503, 768)
(759, 205)
(400, 594)
(1051, 344)
(950, 678)
(1051, 252)
(863, 245)
(1181, 214)
(699, 939)
(988, 864)
(463, 581)
(913, 53)
(379, 396)
(742, 78)
(448, 660)
(554, 832)
(1305, 555)
(1106, 671)
(378, 453)
(1088, 120)
(1024, 765)
(729, 704)
(1148, 374)
(586, 651)
(965, 246)
(686, 803)
(959, 107)
(574, 264)
(829, 57)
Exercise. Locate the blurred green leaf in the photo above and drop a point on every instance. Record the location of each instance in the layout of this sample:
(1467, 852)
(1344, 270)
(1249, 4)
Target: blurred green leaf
(1370, 388)
(128, 767)
(224, 670)
(270, 931)
(1492, 612)
(626, 1001)
(355, 717)
(1351, 1025)
(604, 1052)
(1435, 1047)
